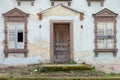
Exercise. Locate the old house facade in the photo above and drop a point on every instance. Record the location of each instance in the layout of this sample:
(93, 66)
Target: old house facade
(59, 31)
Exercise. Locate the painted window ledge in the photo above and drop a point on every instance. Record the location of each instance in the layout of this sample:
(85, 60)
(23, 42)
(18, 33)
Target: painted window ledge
(114, 51)
(32, 2)
(69, 2)
(18, 51)
(101, 2)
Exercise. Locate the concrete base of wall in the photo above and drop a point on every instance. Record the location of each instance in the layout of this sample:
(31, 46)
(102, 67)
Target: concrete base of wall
(108, 68)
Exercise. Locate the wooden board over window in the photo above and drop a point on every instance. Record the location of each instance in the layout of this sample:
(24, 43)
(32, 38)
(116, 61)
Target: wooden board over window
(15, 32)
(105, 32)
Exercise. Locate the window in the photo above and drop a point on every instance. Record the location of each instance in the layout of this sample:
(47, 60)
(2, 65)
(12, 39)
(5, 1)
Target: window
(15, 32)
(15, 35)
(105, 35)
(105, 32)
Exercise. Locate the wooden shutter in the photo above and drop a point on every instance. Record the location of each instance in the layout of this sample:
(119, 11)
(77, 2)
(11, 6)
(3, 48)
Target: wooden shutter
(100, 33)
(100, 29)
(110, 43)
(110, 28)
(100, 43)
(20, 29)
(110, 33)
(11, 38)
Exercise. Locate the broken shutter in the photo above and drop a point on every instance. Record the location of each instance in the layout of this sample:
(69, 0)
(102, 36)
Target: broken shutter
(20, 36)
(16, 36)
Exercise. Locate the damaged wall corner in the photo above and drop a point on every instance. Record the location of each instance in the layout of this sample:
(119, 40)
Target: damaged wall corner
(40, 16)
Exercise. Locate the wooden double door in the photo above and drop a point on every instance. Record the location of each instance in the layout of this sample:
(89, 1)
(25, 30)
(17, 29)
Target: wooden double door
(61, 43)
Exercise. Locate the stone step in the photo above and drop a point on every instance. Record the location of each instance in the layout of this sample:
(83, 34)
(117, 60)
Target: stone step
(65, 67)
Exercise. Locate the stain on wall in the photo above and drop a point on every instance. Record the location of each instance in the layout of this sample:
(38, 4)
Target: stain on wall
(40, 48)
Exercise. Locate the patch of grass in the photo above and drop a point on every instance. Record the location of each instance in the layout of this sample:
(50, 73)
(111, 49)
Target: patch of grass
(64, 68)
(93, 69)
(33, 71)
(112, 75)
(67, 78)
(73, 62)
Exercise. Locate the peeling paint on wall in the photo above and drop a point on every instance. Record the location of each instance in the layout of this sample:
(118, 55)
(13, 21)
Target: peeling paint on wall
(40, 48)
(60, 11)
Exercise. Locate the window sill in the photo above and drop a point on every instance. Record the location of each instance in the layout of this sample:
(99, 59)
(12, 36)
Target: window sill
(101, 2)
(32, 2)
(96, 0)
(60, 0)
(105, 37)
(25, 0)
(114, 51)
(69, 2)
(6, 51)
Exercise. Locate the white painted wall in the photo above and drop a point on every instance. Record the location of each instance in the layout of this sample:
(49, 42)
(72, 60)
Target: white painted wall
(39, 38)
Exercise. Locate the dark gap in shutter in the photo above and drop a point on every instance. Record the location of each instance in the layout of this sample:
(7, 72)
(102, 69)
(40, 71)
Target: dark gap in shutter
(20, 36)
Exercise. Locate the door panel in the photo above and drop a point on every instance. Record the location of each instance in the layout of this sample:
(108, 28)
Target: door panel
(61, 43)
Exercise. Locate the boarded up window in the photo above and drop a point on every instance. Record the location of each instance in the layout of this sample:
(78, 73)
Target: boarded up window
(105, 35)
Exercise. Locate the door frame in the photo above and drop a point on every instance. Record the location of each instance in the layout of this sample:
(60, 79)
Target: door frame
(52, 22)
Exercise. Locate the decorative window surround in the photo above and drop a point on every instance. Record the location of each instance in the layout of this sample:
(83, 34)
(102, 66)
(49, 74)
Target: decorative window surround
(32, 2)
(105, 16)
(101, 2)
(69, 2)
(15, 16)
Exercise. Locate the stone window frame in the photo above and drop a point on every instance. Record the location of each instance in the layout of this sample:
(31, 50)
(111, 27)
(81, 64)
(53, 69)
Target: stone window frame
(15, 15)
(19, 2)
(69, 2)
(101, 2)
(100, 17)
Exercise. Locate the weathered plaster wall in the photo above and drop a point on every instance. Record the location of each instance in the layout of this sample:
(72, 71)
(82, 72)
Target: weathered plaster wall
(59, 10)
(39, 38)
